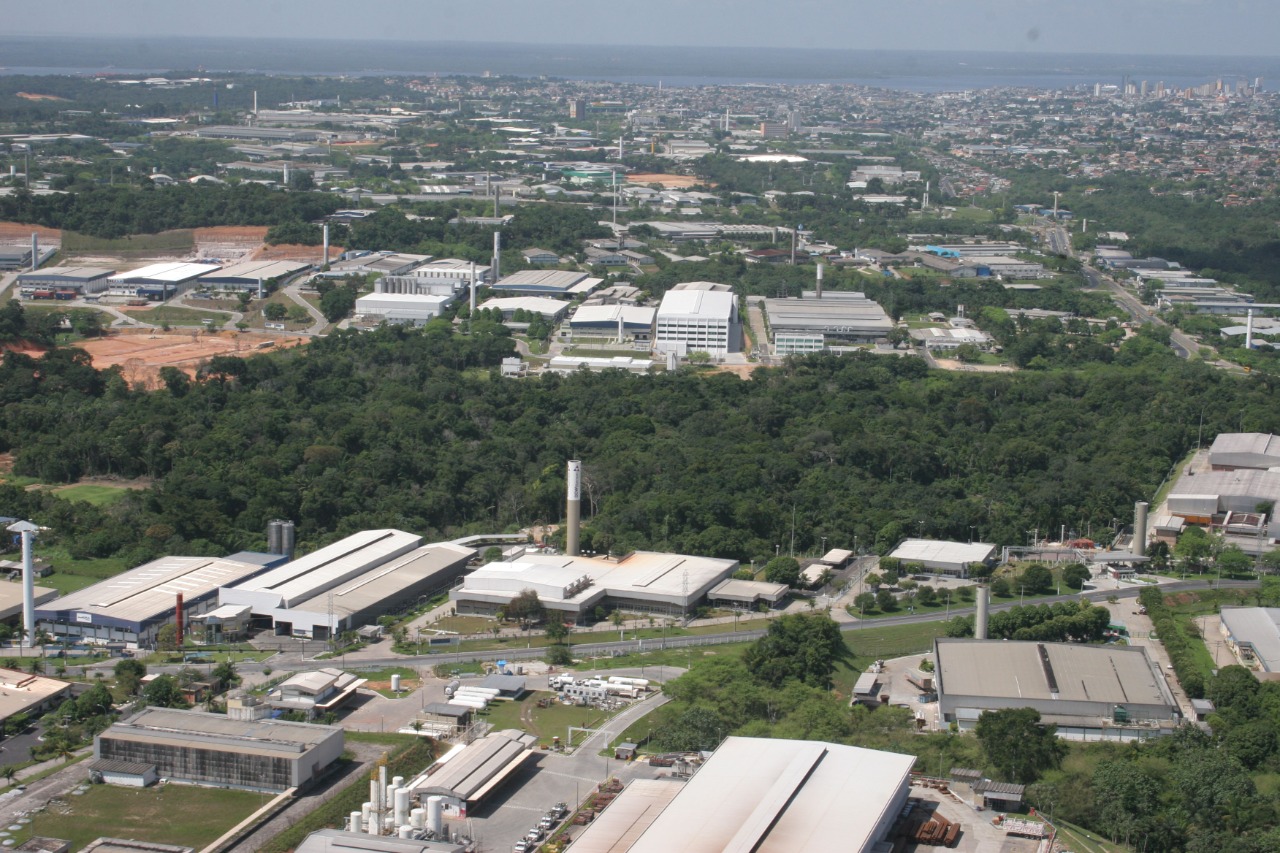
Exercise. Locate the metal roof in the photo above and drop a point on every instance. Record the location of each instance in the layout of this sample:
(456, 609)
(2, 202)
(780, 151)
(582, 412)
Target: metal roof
(198, 729)
(167, 273)
(628, 816)
(480, 767)
(1050, 672)
(377, 583)
(68, 274)
(1251, 483)
(760, 795)
(702, 304)
(22, 691)
(149, 591)
(835, 315)
(322, 570)
(632, 315)
(341, 841)
(1259, 628)
(252, 271)
(932, 551)
(1250, 443)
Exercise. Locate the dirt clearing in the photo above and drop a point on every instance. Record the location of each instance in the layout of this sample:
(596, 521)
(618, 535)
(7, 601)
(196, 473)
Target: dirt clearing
(141, 355)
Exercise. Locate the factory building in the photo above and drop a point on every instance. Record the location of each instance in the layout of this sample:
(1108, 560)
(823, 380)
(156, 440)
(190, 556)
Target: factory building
(348, 584)
(945, 558)
(762, 795)
(440, 277)
(642, 581)
(1232, 450)
(77, 281)
(345, 841)
(619, 322)
(29, 694)
(250, 275)
(471, 773)
(377, 263)
(158, 282)
(551, 310)
(1089, 692)
(131, 607)
(1225, 497)
(561, 283)
(213, 749)
(815, 321)
(574, 363)
(1253, 635)
(405, 308)
(317, 691)
(698, 321)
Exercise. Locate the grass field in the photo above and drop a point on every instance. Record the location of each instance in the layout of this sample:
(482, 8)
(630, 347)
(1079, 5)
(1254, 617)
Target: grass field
(546, 723)
(96, 495)
(882, 643)
(70, 575)
(175, 316)
(168, 814)
(181, 240)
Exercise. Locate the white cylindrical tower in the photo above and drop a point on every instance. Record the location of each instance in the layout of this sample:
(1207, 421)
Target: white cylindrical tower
(1139, 545)
(35, 251)
(27, 531)
(354, 822)
(418, 818)
(1248, 330)
(573, 508)
(497, 254)
(980, 619)
(401, 814)
(395, 688)
(405, 832)
(473, 289)
(374, 796)
(324, 262)
(819, 285)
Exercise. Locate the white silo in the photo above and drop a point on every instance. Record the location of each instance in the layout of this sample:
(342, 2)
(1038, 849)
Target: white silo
(435, 814)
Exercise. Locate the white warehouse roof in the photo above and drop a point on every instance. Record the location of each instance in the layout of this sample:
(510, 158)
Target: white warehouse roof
(702, 304)
(633, 316)
(929, 551)
(165, 273)
(1245, 450)
(1257, 629)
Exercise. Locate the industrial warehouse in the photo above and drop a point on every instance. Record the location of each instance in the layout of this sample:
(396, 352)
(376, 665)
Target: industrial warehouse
(643, 581)
(64, 282)
(250, 275)
(348, 584)
(130, 608)
(158, 282)
(764, 795)
(214, 749)
(820, 320)
(1089, 692)
(466, 777)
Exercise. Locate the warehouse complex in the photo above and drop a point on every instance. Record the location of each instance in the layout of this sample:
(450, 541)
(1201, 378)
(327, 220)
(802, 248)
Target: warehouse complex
(562, 283)
(158, 282)
(213, 749)
(643, 581)
(1090, 692)
(1232, 450)
(131, 607)
(250, 275)
(348, 584)
(818, 321)
(411, 308)
(77, 281)
(765, 796)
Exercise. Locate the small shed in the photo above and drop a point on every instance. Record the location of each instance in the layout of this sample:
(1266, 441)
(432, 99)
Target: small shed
(999, 796)
(625, 751)
(508, 686)
(133, 774)
(1202, 708)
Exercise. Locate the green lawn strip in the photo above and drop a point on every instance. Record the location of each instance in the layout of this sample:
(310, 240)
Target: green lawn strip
(178, 316)
(409, 756)
(601, 634)
(96, 495)
(410, 680)
(165, 814)
(873, 643)
(1083, 841)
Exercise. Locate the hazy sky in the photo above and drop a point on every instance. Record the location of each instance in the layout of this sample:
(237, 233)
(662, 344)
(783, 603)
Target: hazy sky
(1224, 27)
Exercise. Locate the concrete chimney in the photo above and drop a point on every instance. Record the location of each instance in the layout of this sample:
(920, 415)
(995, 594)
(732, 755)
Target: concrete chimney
(1248, 330)
(819, 290)
(178, 618)
(1139, 545)
(980, 619)
(573, 508)
(325, 261)
(28, 532)
(497, 254)
(35, 251)
(473, 290)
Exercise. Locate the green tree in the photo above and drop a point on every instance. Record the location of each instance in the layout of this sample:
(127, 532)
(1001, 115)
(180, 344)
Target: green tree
(783, 570)
(1193, 548)
(129, 673)
(864, 602)
(1233, 561)
(1000, 588)
(1017, 746)
(1036, 578)
(801, 647)
(275, 312)
(163, 692)
(167, 639)
(1075, 575)
(226, 674)
(886, 601)
(527, 609)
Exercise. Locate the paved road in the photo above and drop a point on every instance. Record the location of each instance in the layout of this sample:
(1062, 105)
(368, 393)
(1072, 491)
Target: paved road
(1182, 344)
(293, 290)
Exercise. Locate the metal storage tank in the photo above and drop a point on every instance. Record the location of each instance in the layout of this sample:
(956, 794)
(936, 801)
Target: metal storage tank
(435, 814)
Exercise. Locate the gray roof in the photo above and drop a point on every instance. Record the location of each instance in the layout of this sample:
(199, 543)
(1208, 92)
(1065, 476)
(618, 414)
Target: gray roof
(132, 768)
(443, 709)
(220, 733)
(1259, 627)
(1245, 449)
(341, 841)
(857, 316)
(480, 767)
(504, 683)
(1049, 672)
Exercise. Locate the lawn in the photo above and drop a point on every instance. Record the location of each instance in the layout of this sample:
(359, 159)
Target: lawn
(176, 316)
(179, 240)
(604, 632)
(546, 723)
(167, 814)
(882, 643)
(973, 214)
(96, 495)
(70, 575)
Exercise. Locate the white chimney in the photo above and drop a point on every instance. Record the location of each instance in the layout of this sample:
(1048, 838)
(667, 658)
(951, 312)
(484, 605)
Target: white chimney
(28, 532)
(819, 291)
(1248, 331)
(980, 619)
(573, 508)
(325, 261)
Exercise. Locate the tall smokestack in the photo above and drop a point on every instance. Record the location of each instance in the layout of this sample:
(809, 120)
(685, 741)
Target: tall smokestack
(819, 290)
(35, 251)
(1139, 545)
(177, 619)
(573, 508)
(473, 289)
(497, 254)
(286, 174)
(325, 262)
(1248, 331)
(255, 101)
(980, 620)
(28, 532)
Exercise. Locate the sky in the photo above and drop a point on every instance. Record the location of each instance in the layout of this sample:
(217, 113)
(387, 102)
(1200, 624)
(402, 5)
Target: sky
(1163, 27)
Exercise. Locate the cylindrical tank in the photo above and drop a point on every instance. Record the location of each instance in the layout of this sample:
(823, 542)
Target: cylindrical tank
(980, 620)
(354, 821)
(401, 815)
(418, 818)
(487, 692)
(452, 687)
(395, 682)
(398, 781)
(1139, 545)
(435, 814)
(375, 795)
(274, 538)
(405, 832)
(288, 537)
(476, 702)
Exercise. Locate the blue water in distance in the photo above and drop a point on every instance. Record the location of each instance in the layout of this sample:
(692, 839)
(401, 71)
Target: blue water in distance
(923, 71)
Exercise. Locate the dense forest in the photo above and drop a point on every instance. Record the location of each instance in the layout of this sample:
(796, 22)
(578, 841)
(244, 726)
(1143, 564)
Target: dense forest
(413, 429)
